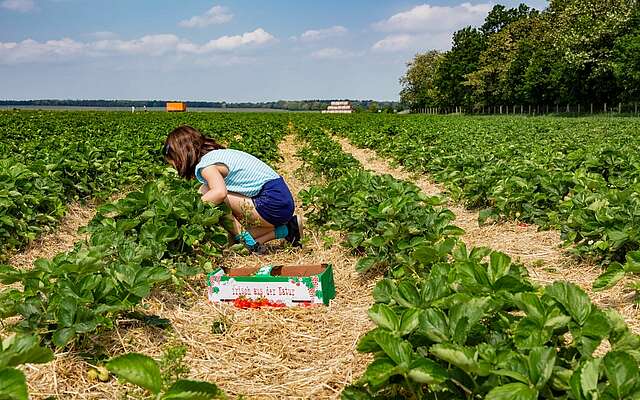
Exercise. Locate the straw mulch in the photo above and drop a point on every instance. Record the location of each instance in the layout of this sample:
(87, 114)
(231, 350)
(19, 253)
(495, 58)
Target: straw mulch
(305, 353)
(539, 251)
(62, 239)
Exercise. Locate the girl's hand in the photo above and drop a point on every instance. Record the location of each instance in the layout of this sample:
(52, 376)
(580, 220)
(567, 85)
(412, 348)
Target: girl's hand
(204, 189)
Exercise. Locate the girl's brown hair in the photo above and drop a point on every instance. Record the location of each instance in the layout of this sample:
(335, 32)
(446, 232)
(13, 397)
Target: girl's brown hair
(185, 146)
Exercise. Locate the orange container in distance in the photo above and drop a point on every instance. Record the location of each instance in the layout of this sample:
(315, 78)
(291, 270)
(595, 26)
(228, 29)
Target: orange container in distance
(177, 106)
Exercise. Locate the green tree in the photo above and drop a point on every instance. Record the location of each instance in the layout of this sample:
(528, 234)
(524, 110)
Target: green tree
(461, 60)
(626, 59)
(418, 83)
(500, 17)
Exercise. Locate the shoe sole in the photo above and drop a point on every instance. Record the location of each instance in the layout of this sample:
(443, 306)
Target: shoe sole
(300, 227)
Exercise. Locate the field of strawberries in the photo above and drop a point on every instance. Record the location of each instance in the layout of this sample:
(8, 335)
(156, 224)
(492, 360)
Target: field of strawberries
(451, 321)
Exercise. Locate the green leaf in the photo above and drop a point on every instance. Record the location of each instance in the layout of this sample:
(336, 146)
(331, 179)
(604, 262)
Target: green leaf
(166, 234)
(9, 274)
(383, 291)
(67, 311)
(367, 343)
(62, 336)
(622, 371)
(354, 393)
(426, 254)
(608, 279)
(20, 349)
(193, 390)
(597, 326)
(409, 321)
(512, 391)
(426, 371)
(433, 324)
(457, 355)
(633, 262)
(584, 381)
(498, 266)
(478, 253)
(541, 362)
(400, 351)
(366, 263)
(137, 369)
(574, 300)
(384, 317)
(408, 295)
(13, 385)
(379, 372)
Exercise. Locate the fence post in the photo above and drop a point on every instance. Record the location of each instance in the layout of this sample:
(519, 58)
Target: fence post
(591, 111)
(619, 108)
(567, 108)
(557, 108)
(605, 108)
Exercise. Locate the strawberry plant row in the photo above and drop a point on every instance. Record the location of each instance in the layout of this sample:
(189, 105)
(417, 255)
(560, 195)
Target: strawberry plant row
(154, 236)
(51, 158)
(578, 175)
(467, 324)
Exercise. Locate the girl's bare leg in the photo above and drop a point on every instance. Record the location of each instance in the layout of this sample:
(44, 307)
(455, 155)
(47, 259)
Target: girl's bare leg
(245, 215)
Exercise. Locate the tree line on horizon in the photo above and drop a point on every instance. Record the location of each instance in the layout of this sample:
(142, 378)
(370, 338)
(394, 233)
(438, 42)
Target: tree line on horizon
(572, 52)
(290, 105)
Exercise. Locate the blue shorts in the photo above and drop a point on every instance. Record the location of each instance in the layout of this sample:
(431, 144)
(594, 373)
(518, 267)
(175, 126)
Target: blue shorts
(274, 202)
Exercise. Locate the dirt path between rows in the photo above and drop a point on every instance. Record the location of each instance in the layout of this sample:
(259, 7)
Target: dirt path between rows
(61, 239)
(539, 251)
(306, 353)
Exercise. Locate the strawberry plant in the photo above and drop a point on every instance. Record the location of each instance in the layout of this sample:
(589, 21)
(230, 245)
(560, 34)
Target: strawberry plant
(479, 329)
(459, 324)
(51, 158)
(143, 371)
(387, 220)
(577, 175)
(14, 351)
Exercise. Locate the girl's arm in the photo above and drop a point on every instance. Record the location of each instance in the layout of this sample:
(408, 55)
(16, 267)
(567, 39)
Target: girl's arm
(217, 192)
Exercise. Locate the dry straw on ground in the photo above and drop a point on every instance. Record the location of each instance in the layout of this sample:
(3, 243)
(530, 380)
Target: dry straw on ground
(262, 354)
(539, 251)
(62, 239)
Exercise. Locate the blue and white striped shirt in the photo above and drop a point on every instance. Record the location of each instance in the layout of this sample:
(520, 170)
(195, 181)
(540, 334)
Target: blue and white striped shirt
(247, 174)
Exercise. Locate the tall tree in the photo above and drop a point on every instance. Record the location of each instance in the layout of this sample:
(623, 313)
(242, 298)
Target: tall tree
(418, 83)
(500, 17)
(626, 59)
(462, 59)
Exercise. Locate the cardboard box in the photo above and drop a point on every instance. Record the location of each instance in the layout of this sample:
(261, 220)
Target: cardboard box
(291, 285)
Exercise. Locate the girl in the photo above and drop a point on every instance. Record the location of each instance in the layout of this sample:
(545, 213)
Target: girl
(261, 203)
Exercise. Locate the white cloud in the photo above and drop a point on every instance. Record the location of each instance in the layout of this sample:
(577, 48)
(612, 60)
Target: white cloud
(414, 42)
(427, 27)
(215, 15)
(393, 43)
(152, 45)
(319, 34)
(18, 5)
(331, 53)
(428, 18)
(30, 51)
(257, 37)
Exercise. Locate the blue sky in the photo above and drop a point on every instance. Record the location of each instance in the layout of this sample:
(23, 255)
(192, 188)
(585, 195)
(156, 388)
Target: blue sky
(245, 50)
